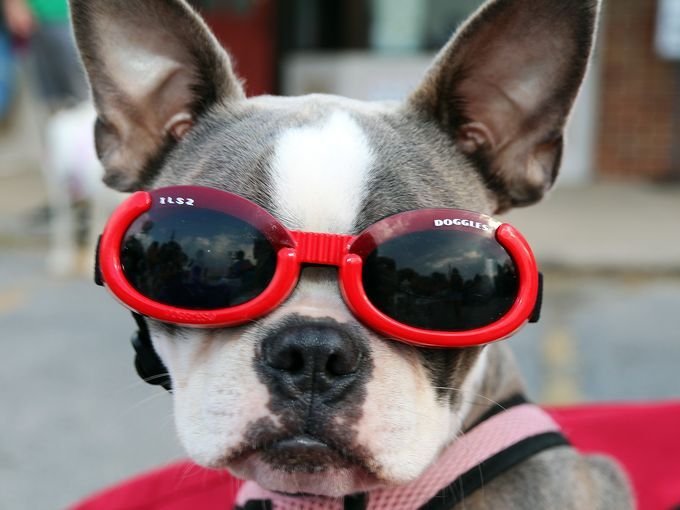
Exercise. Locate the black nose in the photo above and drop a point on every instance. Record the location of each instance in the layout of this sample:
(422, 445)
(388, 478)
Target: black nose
(313, 358)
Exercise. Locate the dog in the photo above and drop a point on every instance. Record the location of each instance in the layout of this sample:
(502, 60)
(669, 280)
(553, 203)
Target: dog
(483, 132)
(73, 174)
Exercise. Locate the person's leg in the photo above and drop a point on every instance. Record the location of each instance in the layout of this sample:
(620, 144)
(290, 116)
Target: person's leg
(60, 85)
(59, 75)
(7, 73)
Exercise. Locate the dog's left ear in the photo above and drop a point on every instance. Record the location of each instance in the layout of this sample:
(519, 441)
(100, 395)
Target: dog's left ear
(503, 88)
(154, 68)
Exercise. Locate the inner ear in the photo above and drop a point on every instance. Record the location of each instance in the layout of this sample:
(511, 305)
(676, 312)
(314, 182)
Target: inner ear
(179, 125)
(504, 85)
(474, 137)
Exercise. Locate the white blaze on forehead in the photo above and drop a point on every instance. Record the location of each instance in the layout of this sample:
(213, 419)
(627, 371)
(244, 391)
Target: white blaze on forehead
(320, 174)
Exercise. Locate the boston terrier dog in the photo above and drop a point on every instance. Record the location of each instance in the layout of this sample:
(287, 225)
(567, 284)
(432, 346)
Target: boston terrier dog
(310, 404)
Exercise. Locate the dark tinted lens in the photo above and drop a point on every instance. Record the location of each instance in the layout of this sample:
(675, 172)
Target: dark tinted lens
(441, 280)
(197, 258)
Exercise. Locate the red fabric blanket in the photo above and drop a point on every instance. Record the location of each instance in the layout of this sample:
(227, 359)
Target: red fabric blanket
(645, 438)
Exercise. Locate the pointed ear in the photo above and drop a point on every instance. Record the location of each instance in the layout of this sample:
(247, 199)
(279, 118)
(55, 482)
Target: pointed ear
(503, 88)
(154, 68)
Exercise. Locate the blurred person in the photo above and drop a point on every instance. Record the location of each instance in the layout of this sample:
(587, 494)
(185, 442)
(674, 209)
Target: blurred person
(6, 71)
(44, 24)
(78, 202)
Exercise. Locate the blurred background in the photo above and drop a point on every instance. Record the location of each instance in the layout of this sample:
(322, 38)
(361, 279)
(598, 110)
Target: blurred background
(74, 416)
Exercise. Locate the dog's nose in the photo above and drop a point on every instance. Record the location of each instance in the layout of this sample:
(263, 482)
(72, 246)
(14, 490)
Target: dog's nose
(312, 359)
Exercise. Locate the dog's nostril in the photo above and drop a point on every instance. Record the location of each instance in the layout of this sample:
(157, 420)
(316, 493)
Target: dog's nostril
(290, 360)
(340, 364)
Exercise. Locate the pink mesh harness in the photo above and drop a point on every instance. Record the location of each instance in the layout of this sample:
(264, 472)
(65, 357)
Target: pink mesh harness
(487, 450)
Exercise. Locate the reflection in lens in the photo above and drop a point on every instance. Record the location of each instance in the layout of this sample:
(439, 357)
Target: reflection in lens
(441, 280)
(197, 259)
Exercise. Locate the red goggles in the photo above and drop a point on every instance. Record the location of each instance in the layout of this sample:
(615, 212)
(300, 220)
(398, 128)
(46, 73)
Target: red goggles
(202, 257)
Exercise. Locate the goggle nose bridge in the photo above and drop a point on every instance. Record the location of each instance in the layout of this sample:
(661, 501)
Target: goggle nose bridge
(321, 248)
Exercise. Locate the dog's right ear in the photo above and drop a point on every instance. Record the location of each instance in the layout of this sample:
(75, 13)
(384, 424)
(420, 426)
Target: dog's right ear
(154, 67)
(502, 88)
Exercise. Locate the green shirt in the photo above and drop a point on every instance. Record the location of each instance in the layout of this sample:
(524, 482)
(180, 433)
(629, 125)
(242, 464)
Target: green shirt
(49, 10)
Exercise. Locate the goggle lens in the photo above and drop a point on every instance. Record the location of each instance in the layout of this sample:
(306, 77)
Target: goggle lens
(195, 258)
(443, 280)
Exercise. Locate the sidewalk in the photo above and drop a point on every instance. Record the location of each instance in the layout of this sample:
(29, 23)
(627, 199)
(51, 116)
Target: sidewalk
(606, 227)
(22, 194)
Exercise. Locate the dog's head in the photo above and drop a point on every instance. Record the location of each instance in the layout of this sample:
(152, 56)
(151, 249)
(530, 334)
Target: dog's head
(307, 399)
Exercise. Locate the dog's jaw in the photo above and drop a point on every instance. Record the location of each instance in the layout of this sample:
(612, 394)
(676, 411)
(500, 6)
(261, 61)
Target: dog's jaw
(328, 482)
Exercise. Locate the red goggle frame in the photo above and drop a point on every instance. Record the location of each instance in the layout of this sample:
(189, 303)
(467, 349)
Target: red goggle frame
(295, 248)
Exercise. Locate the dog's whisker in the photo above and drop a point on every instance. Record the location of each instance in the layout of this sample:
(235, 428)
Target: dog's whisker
(135, 385)
(472, 394)
(143, 401)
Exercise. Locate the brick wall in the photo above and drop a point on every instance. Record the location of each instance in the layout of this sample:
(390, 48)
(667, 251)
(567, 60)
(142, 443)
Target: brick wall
(636, 117)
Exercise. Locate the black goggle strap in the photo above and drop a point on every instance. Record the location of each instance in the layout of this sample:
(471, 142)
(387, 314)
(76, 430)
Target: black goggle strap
(147, 363)
(98, 278)
(536, 314)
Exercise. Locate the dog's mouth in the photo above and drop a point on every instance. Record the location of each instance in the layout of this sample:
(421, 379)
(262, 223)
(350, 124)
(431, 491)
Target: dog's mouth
(302, 465)
(304, 454)
(293, 459)
(297, 461)
(301, 453)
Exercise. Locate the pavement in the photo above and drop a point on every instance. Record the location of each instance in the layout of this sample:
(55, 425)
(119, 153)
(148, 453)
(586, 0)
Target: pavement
(607, 227)
(74, 416)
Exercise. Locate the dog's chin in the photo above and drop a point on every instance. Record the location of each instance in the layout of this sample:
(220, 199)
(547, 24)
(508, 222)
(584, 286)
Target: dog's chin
(318, 480)
(303, 465)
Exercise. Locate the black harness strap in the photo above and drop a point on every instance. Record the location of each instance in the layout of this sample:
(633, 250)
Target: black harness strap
(355, 502)
(256, 505)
